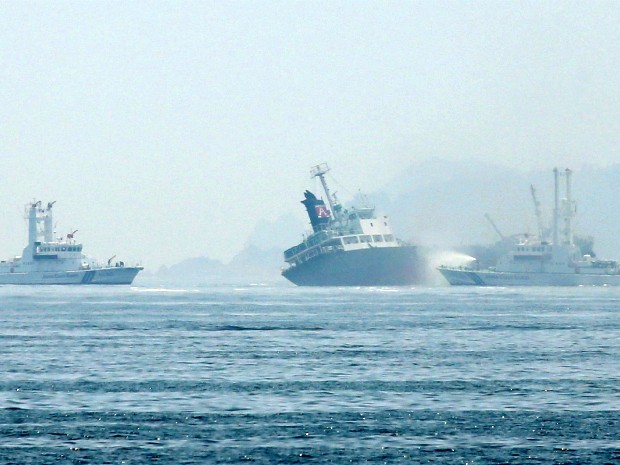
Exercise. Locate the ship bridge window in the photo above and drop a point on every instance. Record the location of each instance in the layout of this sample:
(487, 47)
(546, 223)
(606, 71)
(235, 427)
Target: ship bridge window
(366, 213)
(365, 238)
(388, 237)
(350, 240)
(377, 238)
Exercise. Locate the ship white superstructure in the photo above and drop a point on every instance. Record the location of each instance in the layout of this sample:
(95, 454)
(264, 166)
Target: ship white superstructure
(538, 261)
(50, 260)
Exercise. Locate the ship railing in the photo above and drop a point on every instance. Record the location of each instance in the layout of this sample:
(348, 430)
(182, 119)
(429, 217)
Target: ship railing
(313, 242)
(296, 250)
(604, 263)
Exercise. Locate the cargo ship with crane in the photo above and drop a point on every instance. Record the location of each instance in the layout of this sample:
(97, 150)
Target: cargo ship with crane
(349, 247)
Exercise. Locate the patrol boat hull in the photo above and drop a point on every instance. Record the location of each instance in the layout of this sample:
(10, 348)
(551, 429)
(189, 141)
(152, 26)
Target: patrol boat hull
(109, 275)
(464, 277)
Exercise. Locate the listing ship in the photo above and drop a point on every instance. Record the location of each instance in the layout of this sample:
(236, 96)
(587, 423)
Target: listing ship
(537, 261)
(49, 260)
(351, 247)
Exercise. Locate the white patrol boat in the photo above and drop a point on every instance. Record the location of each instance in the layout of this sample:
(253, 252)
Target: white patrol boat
(535, 261)
(351, 247)
(49, 260)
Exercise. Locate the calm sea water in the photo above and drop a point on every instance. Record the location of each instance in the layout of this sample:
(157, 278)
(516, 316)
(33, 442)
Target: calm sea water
(194, 375)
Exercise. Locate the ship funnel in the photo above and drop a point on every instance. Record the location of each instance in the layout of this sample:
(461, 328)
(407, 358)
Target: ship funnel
(318, 212)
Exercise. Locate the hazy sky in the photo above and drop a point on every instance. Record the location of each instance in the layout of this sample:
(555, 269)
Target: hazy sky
(166, 130)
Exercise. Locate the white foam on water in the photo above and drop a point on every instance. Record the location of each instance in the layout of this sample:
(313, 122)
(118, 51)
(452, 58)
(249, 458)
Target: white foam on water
(163, 290)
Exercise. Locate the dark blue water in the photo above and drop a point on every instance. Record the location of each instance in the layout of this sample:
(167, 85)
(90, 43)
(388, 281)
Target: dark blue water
(271, 375)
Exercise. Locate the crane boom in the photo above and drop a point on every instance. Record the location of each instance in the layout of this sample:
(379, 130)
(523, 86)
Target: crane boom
(499, 233)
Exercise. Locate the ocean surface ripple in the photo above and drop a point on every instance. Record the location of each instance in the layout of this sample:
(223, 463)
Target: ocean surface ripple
(278, 374)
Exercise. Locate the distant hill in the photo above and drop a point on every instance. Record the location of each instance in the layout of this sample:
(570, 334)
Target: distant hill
(283, 232)
(256, 263)
(251, 265)
(194, 267)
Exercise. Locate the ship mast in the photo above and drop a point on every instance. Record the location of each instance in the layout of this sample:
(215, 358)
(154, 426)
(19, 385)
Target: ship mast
(541, 229)
(556, 205)
(48, 223)
(319, 171)
(568, 209)
(33, 220)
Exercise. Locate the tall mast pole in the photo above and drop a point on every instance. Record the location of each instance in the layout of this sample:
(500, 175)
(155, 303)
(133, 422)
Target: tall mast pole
(556, 206)
(319, 171)
(569, 208)
(33, 223)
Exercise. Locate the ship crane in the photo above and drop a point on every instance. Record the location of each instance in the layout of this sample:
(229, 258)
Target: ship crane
(492, 223)
(539, 220)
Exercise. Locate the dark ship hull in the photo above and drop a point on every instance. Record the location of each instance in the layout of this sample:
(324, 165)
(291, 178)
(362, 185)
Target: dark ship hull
(376, 266)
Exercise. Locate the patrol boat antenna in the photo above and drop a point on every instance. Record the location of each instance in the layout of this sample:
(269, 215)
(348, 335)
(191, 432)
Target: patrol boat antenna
(319, 171)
